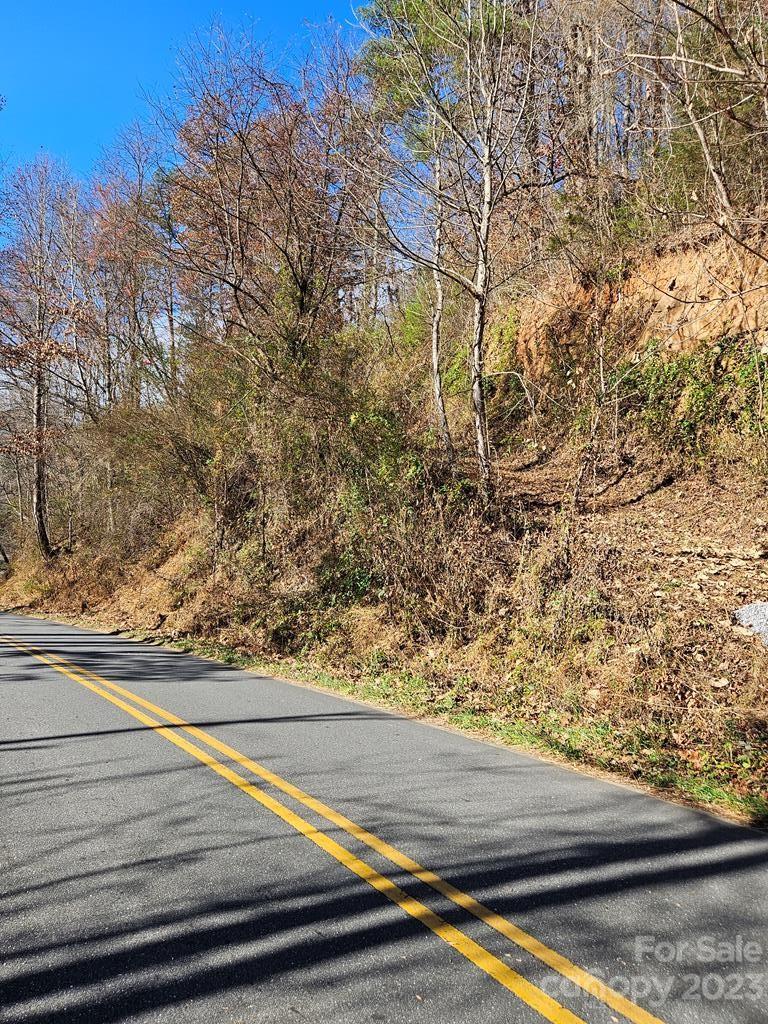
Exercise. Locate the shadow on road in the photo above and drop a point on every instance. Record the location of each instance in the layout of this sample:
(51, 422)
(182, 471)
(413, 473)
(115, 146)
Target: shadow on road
(308, 934)
(179, 902)
(29, 741)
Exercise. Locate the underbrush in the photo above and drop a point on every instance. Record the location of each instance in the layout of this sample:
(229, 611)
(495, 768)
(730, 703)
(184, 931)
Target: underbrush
(708, 404)
(592, 623)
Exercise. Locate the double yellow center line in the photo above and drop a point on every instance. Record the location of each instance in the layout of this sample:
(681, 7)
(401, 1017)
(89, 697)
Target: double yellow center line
(529, 993)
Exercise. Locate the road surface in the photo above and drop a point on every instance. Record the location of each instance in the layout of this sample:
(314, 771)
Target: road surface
(185, 842)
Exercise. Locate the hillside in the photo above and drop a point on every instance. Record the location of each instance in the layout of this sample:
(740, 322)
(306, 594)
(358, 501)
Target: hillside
(592, 614)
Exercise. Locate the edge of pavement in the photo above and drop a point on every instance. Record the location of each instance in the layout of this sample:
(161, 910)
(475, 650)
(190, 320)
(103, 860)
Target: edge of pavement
(264, 669)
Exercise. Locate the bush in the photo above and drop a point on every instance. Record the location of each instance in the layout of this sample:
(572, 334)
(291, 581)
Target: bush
(693, 403)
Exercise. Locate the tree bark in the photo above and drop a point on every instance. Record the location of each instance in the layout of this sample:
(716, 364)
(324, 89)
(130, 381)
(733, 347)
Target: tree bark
(437, 319)
(482, 443)
(19, 492)
(481, 289)
(110, 498)
(39, 468)
(437, 376)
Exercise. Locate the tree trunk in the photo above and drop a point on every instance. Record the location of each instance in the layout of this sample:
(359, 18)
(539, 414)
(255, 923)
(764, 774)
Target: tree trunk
(110, 498)
(478, 398)
(437, 320)
(19, 491)
(481, 290)
(437, 377)
(39, 474)
(173, 355)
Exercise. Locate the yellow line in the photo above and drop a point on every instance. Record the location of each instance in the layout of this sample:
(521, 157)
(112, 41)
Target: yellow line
(577, 975)
(463, 944)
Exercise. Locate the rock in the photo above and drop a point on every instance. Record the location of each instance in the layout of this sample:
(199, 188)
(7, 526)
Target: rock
(754, 617)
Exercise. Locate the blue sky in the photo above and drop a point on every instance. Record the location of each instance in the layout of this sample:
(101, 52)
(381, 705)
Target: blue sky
(73, 73)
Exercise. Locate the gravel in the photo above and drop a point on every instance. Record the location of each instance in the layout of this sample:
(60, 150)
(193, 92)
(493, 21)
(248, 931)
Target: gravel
(755, 617)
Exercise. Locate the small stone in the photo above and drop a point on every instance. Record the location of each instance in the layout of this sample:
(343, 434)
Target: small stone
(755, 617)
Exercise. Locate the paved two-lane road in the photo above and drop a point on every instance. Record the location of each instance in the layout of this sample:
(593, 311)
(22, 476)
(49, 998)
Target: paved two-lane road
(181, 841)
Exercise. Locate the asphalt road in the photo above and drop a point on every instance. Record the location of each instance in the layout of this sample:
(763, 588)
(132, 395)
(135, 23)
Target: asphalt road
(158, 863)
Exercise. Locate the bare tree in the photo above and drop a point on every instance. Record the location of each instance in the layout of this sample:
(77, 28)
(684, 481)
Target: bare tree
(709, 59)
(455, 155)
(255, 208)
(33, 314)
